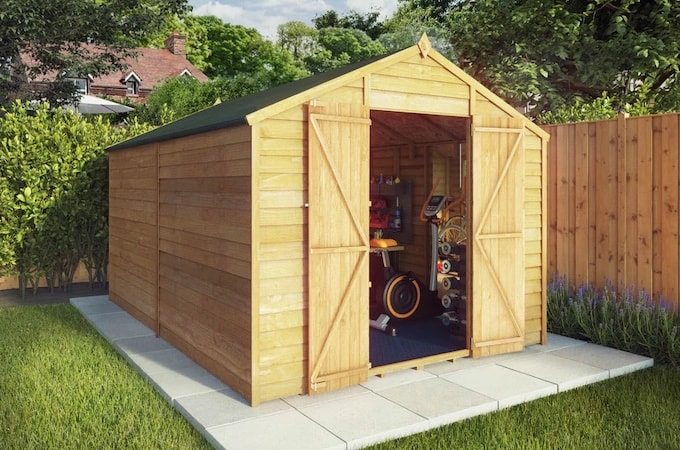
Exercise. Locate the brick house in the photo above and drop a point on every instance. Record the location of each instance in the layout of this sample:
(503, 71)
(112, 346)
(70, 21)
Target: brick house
(149, 68)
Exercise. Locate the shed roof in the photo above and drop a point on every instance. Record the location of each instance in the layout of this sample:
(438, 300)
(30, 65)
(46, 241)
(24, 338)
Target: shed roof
(250, 109)
(234, 112)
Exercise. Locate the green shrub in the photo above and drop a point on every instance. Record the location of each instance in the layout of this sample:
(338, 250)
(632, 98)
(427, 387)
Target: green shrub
(54, 193)
(623, 319)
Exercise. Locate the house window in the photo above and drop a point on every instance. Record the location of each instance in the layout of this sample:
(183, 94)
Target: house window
(80, 84)
(132, 87)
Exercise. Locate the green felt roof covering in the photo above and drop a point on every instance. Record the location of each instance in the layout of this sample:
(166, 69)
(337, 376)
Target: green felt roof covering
(234, 112)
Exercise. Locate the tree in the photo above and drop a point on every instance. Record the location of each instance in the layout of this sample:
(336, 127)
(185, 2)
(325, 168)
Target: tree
(297, 38)
(408, 24)
(234, 50)
(341, 46)
(437, 9)
(550, 54)
(174, 99)
(52, 34)
(368, 23)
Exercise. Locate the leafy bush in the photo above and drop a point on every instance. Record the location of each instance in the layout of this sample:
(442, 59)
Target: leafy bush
(626, 320)
(54, 193)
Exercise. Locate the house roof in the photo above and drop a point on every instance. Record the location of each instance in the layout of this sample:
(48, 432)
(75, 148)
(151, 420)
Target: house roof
(234, 112)
(152, 66)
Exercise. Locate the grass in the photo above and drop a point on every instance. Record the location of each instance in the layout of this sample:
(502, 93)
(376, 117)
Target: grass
(63, 386)
(636, 411)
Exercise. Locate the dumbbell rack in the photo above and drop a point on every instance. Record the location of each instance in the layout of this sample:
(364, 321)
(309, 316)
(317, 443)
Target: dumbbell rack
(451, 282)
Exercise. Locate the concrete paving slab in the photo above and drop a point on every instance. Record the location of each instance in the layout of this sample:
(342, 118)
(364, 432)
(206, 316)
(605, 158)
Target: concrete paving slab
(507, 386)
(118, 325)
(224, 407)
(142, 344)
(286, 430)
(393, 379)
(173, 384)
(445, 367)
(95, 305)
(440, 401)
(159, 360)
(301, 401)
(365, 419)
(565, 373)
(617, 362)
(556, 342)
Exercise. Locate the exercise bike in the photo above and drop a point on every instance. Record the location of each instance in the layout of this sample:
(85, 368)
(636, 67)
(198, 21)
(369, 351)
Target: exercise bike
(404, 296)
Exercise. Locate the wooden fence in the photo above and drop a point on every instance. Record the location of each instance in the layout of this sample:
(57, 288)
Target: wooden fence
(613, 203)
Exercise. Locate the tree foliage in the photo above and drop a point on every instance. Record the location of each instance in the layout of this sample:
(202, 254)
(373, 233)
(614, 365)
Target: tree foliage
(52, 34)
(341, 46)
(369, 22)
(174, 99)
(551, 54)
(408, 24)
(298, 39)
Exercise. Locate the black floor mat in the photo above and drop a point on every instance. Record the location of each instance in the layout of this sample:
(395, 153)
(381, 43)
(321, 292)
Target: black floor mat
(416, 338)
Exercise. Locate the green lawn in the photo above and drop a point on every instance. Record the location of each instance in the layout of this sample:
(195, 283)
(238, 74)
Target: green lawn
(62, 386)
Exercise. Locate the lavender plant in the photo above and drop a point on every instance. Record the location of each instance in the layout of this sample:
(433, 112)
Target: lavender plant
(625, 319)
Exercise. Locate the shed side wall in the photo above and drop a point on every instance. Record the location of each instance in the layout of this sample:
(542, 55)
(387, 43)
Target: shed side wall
(133, 238)
(204, 250)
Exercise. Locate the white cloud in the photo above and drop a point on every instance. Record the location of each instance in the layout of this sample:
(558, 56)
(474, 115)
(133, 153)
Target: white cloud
(386, 7)
(263, 15)
(266, 15)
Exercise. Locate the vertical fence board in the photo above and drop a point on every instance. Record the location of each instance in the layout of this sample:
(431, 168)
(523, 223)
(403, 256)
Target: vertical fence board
(629, 226)
(613, 193)
(562, 193)
(666, 237)
(592, 205)
(621, 180)
(605, 200)
(552, 202)
(581, 237)
(643, 238)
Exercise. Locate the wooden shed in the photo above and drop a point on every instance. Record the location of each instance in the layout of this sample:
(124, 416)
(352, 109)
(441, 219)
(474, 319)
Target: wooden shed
(241, 233)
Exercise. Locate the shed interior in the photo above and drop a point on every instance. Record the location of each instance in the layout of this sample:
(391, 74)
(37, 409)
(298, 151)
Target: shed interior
(411, 156)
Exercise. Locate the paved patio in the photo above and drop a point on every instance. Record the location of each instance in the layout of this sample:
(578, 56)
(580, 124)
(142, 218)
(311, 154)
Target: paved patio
(398, 404)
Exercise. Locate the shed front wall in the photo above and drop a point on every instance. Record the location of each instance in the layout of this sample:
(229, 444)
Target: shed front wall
(414, 85)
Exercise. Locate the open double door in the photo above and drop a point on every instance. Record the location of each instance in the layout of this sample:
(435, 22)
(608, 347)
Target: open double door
(338, 168)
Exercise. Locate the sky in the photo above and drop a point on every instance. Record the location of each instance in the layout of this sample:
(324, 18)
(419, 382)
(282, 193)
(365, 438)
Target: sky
(266, 15)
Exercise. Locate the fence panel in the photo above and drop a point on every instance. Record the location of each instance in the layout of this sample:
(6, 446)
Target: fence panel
(613, 193)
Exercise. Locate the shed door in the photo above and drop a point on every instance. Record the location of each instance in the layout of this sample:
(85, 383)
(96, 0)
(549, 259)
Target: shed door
(339, 146)
(497, 238)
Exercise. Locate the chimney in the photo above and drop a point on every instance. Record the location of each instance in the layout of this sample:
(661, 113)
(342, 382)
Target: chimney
(176, 44)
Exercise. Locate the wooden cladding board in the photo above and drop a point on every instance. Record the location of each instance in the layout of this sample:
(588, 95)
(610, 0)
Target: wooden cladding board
(205, 214)
(613, 203)
(133, 238)
(280, 355)
(402, 87)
